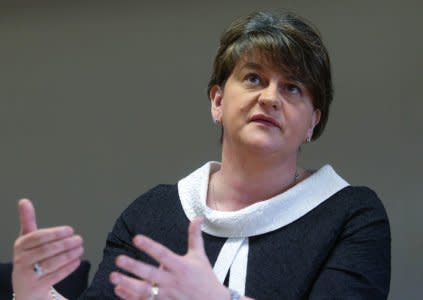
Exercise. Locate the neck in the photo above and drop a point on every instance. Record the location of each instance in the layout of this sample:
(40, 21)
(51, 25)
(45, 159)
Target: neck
(246, 179)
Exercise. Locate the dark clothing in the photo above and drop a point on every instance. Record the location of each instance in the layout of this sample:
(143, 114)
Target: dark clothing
(338, 250)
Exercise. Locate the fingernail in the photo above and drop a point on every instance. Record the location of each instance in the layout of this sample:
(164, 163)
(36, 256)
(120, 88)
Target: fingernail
(78, 239)
(114, 277)
(67, 230)
(138, 240)
(121, 260)
(80, 250)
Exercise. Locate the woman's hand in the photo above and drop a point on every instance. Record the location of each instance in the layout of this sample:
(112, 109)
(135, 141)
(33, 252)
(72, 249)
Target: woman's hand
(179, 277)
(54, 251)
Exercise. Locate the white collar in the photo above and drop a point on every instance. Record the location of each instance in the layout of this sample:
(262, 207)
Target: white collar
(261, 217)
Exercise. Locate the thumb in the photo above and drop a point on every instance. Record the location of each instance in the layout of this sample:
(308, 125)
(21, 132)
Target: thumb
(195, 238)
(27, 216)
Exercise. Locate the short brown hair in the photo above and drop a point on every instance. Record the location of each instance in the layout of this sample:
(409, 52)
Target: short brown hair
(286, 40)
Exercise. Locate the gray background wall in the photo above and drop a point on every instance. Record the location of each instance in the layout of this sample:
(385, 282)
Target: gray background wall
(100, 101)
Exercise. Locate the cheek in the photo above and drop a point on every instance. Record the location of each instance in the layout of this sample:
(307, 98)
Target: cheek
(233, 105)
(300, 120)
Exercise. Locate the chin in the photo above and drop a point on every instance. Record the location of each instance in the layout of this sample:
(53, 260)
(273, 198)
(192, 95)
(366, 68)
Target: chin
(263, 144)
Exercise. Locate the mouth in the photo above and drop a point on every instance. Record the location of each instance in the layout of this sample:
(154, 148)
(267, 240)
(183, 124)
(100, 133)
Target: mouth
(265, 120)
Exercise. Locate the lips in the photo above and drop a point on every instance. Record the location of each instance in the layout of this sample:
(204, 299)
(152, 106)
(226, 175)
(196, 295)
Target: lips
(265, 120)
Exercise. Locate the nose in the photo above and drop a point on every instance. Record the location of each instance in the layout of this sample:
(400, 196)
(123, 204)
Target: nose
(270, 97)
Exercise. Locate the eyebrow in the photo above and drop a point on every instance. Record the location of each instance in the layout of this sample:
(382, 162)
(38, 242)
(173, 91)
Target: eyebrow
(259, 67)
(252, 65)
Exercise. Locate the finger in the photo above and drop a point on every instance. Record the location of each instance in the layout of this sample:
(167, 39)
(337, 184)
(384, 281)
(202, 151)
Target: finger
(125, 294)
(60, 274)
(195, 237)
(51, 249)
(54, 263)
(142, 270)
(131, 285)
(42, 236)
(157, 251)
(27, 216)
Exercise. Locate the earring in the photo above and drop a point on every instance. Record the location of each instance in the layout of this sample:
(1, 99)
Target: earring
(309, 136)
(216, 121)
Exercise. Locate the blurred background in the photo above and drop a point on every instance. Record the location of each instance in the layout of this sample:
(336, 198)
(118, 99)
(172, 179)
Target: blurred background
(102, 100)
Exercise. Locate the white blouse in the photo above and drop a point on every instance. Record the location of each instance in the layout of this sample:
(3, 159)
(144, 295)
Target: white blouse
(258, 218)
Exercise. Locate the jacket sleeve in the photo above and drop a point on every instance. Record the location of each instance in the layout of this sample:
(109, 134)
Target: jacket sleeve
(359, 265)
(118, 242)
(141, 217)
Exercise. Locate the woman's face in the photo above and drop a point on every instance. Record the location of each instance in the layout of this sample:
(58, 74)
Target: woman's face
(260, 107)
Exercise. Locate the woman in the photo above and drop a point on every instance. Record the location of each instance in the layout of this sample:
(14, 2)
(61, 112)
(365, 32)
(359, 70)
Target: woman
(271, 230)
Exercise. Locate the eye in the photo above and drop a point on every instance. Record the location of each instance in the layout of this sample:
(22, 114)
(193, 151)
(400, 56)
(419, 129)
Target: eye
(253, 79)
(293, 89)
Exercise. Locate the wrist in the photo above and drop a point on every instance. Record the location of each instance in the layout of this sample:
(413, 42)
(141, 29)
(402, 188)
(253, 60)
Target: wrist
(53, 295)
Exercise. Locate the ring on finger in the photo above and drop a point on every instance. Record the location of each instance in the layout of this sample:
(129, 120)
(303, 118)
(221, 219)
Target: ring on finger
(154, 292)
(37, 269)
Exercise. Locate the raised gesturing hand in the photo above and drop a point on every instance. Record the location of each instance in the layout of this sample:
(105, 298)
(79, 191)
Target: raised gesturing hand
(179, 277)
(42, 257)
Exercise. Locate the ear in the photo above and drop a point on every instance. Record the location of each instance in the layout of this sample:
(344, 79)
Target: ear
(216, 99)
(315, 119)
